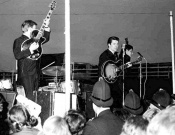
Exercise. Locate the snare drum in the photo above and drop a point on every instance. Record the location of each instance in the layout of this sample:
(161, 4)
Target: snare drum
(73, 85)
(5, 84)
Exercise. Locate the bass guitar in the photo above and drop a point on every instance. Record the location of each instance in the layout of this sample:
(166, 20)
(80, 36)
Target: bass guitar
(110, 69)
(37, 36)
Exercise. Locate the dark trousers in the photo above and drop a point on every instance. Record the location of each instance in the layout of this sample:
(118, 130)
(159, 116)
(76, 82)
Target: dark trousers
(30, 84)
(117, 94)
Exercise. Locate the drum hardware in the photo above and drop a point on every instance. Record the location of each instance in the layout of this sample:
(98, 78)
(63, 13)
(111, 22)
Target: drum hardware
(54, 71)
(73, 84)
(58, 72)
(48, 88)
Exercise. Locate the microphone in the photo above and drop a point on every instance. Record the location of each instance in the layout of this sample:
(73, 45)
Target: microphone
(140, 54)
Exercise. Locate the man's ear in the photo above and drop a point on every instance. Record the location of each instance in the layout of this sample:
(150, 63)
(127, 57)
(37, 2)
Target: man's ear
(25, 28)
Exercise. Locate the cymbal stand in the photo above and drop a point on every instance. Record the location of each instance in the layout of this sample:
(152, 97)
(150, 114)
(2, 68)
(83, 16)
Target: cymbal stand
(56, 80)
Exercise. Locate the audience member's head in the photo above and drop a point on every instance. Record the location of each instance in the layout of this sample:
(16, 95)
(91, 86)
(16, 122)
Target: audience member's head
(101, 95)
(4, 126)
(163, 123)
(122, 113)
(55, 125)
(20, 117)
(76, 121)
(161, 99)
(135, 125)
(132, 103)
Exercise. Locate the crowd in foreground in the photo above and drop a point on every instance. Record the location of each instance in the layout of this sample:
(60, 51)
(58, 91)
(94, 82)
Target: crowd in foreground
(157, 119)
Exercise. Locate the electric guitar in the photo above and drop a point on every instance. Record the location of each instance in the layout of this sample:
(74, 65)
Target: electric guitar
(110, 69)
(37, 36)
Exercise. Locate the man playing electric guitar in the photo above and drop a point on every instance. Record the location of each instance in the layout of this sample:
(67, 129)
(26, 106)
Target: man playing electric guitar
(111, 54)
(27, 68)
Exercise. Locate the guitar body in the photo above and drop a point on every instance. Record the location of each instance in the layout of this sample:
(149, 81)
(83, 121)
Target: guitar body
(110, 71)
(26, 44)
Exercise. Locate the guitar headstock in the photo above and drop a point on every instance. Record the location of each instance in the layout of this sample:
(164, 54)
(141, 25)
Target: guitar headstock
(52, 5)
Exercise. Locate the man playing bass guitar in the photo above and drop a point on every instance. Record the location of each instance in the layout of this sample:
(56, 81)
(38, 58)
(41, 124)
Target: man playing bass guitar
(27, 68)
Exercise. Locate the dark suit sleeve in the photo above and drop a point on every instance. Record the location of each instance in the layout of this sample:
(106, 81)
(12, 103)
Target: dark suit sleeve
(17, 50)
(46, 36)
(90, 129)
(102, 59)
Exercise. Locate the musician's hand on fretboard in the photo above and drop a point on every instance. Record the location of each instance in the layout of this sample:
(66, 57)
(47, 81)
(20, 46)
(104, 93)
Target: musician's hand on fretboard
(128, 64)
(46, 22)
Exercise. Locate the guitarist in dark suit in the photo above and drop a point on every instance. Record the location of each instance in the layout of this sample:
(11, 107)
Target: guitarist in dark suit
(27, 68)
(112, 54)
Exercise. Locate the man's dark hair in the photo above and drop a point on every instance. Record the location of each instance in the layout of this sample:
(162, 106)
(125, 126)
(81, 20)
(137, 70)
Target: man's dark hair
(29, 23)
(128, 47)
(112, 38)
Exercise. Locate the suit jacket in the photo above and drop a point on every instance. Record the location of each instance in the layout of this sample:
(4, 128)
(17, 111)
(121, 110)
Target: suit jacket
(105, 124)
(25, 66)
(105, 56)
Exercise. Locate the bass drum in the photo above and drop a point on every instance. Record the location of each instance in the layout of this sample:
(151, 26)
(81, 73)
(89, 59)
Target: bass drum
(73, 84)
(6, 84)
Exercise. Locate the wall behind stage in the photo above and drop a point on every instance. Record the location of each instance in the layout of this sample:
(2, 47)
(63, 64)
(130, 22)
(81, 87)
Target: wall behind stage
(146, 24)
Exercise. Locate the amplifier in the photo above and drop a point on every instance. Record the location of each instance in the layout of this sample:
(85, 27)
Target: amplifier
(53, 103)
(45, 99)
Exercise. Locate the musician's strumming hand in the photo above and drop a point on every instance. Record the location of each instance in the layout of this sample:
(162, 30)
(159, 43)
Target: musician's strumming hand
(33, 47)
(128, 64)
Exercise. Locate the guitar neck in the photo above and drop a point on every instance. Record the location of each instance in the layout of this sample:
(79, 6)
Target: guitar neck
(41, 30)
(131, 63)
(134, 62)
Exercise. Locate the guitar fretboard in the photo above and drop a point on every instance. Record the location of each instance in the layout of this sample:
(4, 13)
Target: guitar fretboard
(41, 30)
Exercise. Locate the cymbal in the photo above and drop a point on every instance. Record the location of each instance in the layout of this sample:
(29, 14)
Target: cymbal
(54, 71)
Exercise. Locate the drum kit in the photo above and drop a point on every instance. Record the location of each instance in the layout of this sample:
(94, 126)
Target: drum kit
(56, 85)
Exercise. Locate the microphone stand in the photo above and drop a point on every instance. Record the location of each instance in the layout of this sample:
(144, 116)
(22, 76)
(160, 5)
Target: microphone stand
(140, 75)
